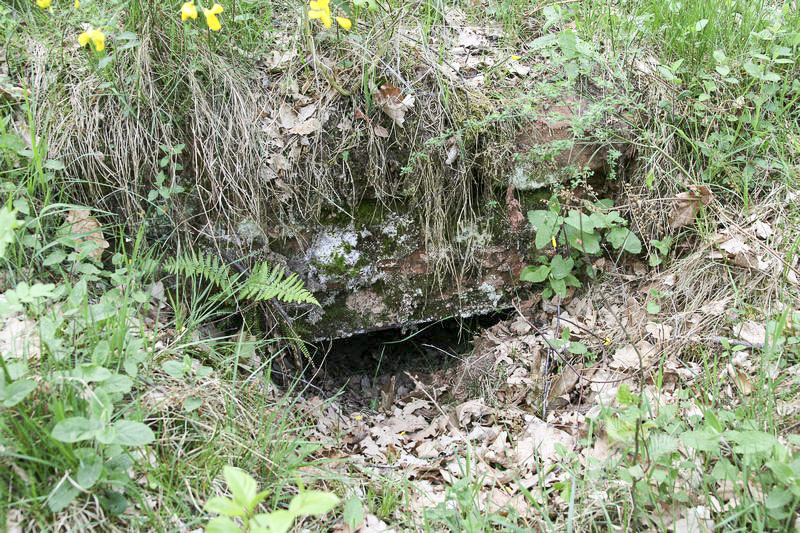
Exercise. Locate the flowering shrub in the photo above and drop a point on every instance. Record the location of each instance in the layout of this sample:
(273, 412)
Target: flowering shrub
(317, 9)
(96, 37)
(189, 11)
(321, 9)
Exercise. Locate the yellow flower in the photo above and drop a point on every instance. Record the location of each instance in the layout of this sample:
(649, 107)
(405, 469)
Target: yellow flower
(77, 4)
(188, 11)
(44, 4)
(320, 9)
(97, 37)
(344, 22)
(211, 16)
(516, 58)
(553, 240)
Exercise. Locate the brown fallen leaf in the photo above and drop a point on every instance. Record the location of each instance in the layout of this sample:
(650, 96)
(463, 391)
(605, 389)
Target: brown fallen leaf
(694, 520)
(740, 378)
(738, 252)
(287, 116)
(751, 332)
(392, 101)
(762, 229)
(660, 332)
(86, 229)
(688, 204)
(538, 444)
(306, 127)
(715, 307)
(380, 131)
(19, 338)
(627, 357)
(515, 217)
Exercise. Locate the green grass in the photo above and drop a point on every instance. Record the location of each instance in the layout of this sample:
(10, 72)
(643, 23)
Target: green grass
(717, 105)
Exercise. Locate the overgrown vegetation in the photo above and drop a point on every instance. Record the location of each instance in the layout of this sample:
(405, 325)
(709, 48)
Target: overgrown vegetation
(133, 379)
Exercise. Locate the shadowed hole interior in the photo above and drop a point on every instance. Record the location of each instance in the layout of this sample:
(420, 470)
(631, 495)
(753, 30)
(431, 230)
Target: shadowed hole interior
(362, 365)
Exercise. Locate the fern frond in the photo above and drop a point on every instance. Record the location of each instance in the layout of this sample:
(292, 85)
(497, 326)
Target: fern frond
(263, 284)
(268, 282)
(207, 266)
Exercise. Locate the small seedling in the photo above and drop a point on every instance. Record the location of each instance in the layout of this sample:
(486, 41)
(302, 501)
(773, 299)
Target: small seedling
(246, 498)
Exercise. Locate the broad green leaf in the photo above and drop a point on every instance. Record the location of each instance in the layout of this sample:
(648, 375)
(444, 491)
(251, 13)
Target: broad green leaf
(115, 503)
(698, 27)
(654, 259)
(90, 372)
(579, 221)
(101, 352)
(313, 502)
(221, 524)
(17, 391)
(636, 471)
(719, 56)
(62, 496)
(604, 203)
(559, 286)
(243, 487)
(662, 245)
(130, 433)
(89, 471)
(703, 440)
(102, 311)
(759, 72)
(748, 442)
(560, 268)
(778, 498)
(174, 368)
(653, 308)
(224, 506)
(626, 239)
(191, 403)
(54, 164)
(723, 70)
(712, 421)
(106, 435)
(583, 242)
(8, 223)
(577, 348)
(79, 294)
(75, 429)
(55, 258)
(275, 522)
(782, 471)
(534, 275)
(607, 220)
(546, 224)
(353, 514)
(38, 291)
(116, 384)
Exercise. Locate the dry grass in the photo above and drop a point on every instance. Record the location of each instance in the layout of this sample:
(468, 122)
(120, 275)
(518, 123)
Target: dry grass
(240, 165)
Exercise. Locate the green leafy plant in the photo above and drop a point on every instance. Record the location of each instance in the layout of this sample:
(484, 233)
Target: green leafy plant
(8, 223)
(246, 498)
(583, 234)
(557, 272)
(264, 283)
(660, 249)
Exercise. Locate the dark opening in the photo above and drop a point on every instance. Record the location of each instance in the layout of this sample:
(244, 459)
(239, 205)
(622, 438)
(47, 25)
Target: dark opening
(362, 366)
